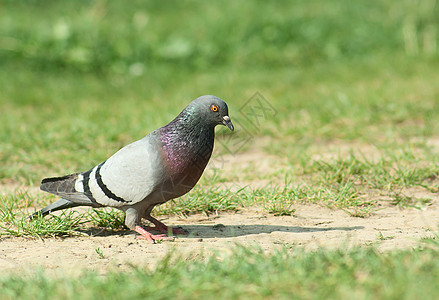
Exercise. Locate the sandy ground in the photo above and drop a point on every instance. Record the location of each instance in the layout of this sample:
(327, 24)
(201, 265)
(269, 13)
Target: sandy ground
(311, 227)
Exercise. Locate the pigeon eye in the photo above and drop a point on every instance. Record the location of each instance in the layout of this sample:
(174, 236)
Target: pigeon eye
(214, 108)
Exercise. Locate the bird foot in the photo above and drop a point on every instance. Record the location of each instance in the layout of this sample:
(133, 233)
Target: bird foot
(153, 238)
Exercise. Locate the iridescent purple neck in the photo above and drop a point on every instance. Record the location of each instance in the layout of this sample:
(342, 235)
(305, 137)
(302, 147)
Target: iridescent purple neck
(187, 143)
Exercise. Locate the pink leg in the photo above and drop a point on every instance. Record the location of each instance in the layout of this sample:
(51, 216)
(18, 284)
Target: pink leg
(159, 226)
(145, 235)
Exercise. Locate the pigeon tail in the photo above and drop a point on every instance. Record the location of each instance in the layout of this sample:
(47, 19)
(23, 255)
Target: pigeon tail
(64, 184)
(58, 205)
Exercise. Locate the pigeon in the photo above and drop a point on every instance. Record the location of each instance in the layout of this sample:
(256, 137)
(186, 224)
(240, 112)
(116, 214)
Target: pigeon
(165, 164)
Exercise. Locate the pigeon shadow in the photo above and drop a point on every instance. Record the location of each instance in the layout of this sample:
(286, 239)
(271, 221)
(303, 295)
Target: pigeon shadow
(95, 231)
(221, 231)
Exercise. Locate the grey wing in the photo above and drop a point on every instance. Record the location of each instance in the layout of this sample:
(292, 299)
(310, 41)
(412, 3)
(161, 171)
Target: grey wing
(127, 177)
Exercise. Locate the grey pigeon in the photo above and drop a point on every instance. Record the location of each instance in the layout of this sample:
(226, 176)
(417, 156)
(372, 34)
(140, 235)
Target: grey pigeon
(163, 165)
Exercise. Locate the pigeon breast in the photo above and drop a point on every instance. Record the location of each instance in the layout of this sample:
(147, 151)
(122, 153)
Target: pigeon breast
(187, 147)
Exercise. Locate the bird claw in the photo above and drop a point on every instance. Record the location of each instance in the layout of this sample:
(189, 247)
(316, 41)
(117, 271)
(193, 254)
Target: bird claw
(156, 238)
(153, 238)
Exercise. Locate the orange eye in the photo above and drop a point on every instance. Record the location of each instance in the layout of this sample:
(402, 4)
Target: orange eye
(214, 108)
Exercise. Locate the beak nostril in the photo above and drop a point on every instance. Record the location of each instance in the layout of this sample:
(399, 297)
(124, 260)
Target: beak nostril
(227, 122)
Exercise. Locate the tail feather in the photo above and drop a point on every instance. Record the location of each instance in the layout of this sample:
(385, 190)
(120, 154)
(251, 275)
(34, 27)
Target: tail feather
(55, 185)
(58, 205)
(65, 187)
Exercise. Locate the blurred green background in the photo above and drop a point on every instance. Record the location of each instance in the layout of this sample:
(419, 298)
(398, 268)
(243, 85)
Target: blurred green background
(111, 37)
(79, 79)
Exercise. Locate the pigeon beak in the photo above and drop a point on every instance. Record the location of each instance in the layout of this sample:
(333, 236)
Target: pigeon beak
(227, 122)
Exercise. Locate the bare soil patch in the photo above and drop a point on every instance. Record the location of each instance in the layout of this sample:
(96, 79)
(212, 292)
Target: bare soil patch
(312, 226)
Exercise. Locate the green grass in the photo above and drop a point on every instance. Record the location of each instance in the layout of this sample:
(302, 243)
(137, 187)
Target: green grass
(67, 224)
(291, 273)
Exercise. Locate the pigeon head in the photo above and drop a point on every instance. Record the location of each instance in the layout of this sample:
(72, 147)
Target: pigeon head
(212, 110)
